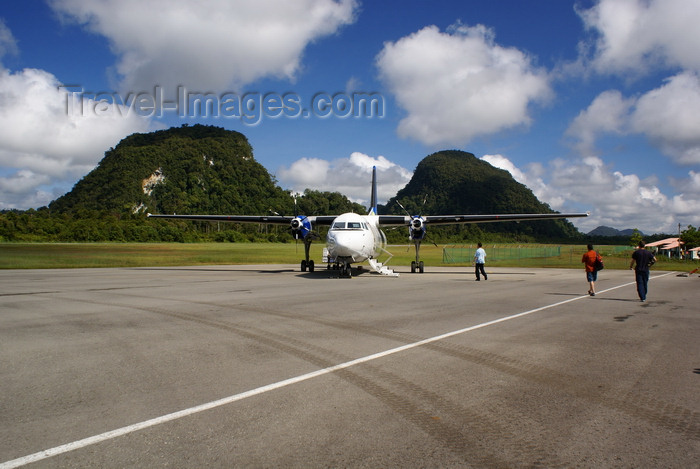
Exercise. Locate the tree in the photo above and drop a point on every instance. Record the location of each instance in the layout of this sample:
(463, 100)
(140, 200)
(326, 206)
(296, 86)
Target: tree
(690, 237)
(636, 237)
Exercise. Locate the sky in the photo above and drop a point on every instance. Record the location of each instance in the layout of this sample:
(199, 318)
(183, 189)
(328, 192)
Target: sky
(592, 104)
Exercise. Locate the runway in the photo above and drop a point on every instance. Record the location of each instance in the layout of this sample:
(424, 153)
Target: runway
(265, 366)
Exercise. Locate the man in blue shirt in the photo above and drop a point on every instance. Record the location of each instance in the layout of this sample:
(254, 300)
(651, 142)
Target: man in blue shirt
(479, 261)
(643, 260)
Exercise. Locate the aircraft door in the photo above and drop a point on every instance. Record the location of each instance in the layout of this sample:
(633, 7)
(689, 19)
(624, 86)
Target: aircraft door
(379, 240)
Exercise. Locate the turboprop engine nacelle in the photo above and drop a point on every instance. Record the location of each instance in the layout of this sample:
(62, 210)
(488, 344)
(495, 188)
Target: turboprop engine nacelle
(416, 229)
(300, 227)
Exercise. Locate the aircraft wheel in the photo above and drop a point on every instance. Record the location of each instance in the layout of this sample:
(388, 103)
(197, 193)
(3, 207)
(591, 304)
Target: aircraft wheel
(311, 266)
(413, 267)
(420, 266)
(303, 266)
(328, 267)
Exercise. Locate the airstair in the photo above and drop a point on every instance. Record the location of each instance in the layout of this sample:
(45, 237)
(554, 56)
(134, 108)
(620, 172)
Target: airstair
(381, 268)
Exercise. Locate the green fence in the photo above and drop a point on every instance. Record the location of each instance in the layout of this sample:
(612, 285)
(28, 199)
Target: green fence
(499, 252)
(465, 254)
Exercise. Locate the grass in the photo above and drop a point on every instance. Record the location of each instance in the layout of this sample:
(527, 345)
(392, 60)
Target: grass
(82, 255)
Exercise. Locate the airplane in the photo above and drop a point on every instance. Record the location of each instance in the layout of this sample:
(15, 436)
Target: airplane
(354, 238)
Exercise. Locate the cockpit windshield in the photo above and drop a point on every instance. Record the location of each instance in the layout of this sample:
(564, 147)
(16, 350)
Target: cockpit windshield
(351, 225)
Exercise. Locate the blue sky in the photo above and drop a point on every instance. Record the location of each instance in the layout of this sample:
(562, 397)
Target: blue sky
(594, 105)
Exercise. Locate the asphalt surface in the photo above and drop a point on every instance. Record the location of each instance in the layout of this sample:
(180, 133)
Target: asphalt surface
(265, 366)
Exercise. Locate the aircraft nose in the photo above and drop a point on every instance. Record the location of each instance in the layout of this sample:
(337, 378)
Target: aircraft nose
(341, 244)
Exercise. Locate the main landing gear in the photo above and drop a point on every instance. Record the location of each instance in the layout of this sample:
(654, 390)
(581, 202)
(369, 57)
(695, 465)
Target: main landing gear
(417, 266)
(307, 263)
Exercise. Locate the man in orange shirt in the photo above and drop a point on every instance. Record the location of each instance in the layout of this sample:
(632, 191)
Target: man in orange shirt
(591, 274)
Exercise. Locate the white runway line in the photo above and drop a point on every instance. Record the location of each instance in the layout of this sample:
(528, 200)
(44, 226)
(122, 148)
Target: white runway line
(45, 454)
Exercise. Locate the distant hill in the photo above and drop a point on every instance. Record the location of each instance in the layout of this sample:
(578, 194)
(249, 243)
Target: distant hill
(454, 182)
(209, 170)
(190, 169)
(185, 169)
(608, 231)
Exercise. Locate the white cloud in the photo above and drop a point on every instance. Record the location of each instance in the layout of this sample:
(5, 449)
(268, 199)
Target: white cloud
(614, 199)
(636, 35)
(669, 116)
(351, 177)
(531, 177)
(690, 185)
(207, 45)
(352, 85)
(22, 181)
(22, 186)
(458, 85)
(501, 162)
(687, 201)
(633, 38)
(304, 173)
(608, 113)
(8, 43)
(43, 149)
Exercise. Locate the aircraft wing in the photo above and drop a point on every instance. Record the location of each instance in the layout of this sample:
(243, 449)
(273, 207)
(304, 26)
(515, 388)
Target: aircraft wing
(399, 220)
(266, 219)
(386, 220)
(451, 219)
(394, 220)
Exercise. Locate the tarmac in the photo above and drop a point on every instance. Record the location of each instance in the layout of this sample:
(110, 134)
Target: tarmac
(266, 366)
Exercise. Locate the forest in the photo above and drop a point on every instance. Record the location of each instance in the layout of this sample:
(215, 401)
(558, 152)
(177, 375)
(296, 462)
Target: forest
(209, 170)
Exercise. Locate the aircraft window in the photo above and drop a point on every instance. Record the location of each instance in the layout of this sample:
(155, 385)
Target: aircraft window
(339, 225)
(354, 225)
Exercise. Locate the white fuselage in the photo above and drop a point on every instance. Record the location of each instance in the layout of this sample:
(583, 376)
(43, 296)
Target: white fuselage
(355, 238)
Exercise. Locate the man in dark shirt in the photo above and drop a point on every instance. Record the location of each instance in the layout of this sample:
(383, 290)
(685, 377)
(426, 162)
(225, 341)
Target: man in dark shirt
(643, 259)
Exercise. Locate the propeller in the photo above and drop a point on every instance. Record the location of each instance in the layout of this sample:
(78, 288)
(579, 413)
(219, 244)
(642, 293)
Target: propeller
(416, 229)
(417, 233)
(296, 224)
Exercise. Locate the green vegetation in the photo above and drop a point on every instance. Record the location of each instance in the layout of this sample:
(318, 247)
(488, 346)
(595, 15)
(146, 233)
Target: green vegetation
(191, 169)
(209, 170)
(198, 170)
(451, 182)
(91, 226)
(690, 237)
(636, 238)
(80, 255)
(560, 256)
